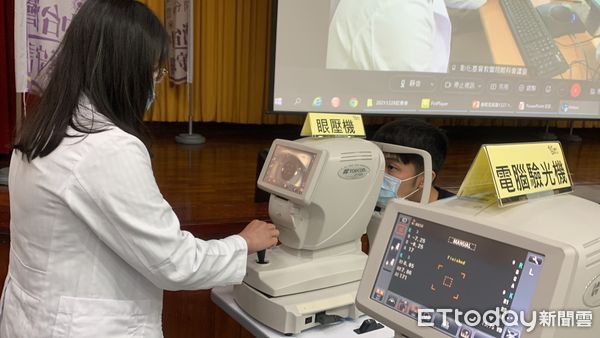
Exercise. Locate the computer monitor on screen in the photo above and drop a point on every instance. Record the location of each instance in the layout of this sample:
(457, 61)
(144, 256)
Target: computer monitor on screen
(460, 269)
(508, 58)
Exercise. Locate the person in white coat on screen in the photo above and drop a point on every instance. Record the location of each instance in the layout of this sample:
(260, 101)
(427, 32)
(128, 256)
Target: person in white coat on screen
(93, 242)
(392, 35)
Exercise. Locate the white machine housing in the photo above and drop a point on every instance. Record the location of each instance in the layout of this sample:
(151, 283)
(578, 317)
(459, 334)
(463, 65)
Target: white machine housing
(323, 192)
(565, 229)
(342, 184)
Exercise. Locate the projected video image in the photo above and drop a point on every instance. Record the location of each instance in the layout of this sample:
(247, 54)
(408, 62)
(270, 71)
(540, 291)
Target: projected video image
(523, 37)
(289, 169)
(492, 58)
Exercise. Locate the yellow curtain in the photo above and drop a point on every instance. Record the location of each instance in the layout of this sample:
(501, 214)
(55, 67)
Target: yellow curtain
(171, 103)
(231, 71)
(231, 56)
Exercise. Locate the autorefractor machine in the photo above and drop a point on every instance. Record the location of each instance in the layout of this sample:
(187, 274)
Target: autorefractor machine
(455, 254)
(323, 192)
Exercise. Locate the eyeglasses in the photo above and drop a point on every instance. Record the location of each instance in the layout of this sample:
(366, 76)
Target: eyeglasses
(160, 74)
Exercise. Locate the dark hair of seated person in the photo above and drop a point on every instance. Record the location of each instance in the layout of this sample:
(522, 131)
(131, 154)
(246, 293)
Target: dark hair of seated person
(415, 133)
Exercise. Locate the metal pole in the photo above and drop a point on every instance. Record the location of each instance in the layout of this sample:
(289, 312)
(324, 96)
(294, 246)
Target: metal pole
(190, 137)
(574, 138)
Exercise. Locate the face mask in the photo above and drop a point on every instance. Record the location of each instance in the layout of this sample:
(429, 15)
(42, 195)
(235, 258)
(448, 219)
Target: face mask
(389, 189)
(150, 99)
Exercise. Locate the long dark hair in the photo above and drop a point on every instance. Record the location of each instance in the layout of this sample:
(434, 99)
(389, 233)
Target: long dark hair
(110, 54)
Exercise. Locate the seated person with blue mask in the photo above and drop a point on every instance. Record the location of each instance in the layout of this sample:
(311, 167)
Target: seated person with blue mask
(404, 172)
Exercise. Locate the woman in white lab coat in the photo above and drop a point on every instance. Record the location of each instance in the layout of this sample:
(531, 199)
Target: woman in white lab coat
(93, 242)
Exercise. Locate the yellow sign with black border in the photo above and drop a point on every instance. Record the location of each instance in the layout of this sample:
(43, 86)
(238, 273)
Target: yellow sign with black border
(517, 172)
(320, 124)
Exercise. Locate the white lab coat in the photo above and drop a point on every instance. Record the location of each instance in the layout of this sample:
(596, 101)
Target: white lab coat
(400, 35)
(93, 243)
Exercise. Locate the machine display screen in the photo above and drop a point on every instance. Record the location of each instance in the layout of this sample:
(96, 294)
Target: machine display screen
(289, 169)
(431, 266)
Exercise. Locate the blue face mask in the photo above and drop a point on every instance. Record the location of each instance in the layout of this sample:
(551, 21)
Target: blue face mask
(389, 189)
(150, 100)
